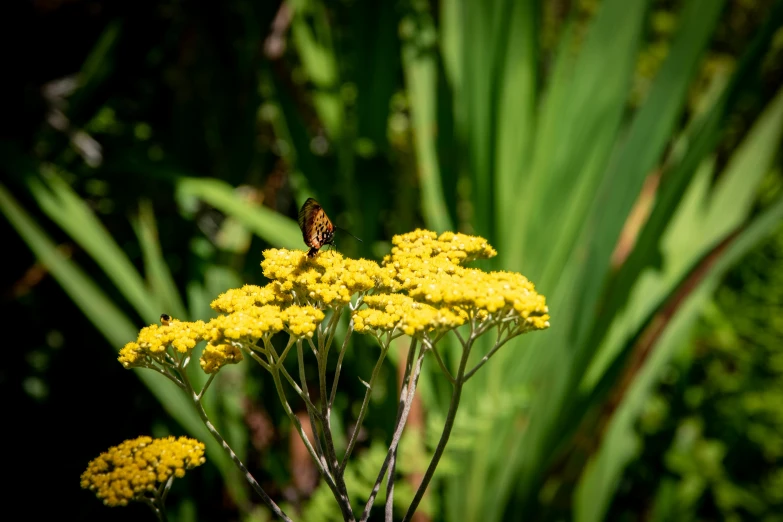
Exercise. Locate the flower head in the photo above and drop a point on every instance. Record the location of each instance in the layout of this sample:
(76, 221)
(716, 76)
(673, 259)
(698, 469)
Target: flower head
(498, 293)
(246, 325)
(301, 321)
(136, 468)
(238, 299)
(215, 356)
(419, 255)
(328, 279)
(154, 340)
(429, 269)
(389, 312)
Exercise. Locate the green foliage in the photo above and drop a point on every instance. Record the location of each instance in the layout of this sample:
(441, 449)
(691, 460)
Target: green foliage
(713, 427)
(533, 127)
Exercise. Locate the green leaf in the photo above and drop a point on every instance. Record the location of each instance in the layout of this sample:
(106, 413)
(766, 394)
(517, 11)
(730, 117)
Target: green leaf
(269, 225)
(420, 64)
(59, 201)
(161, 281)
(115, 326)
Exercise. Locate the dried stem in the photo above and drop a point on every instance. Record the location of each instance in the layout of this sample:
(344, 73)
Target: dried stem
(363, 411)
(219, 438)
(404, 407)
(450, 417)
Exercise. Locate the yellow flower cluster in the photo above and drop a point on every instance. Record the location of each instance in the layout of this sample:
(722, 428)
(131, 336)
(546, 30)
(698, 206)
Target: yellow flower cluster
(428, 269)
(424, 283)
(247, 324)
(387, 312)
(215, 356)
(328, 279)
(238, 299)
(499, 293)
(137, 467)
(301, 321)
(421, 254)
(154, 339)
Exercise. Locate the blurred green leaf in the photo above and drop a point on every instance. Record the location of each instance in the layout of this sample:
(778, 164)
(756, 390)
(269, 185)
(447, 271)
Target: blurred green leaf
(270, 226)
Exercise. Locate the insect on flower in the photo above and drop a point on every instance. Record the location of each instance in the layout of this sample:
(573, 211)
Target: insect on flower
(317, 229)
(165, 319)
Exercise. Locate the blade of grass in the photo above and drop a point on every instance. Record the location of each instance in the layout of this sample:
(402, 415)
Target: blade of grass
(269, 225)
(58, 200)
(115, 326)
(420, 65)
(577, 131)
(601, 477)
(516, 116)
(161, 281)
(702, 141)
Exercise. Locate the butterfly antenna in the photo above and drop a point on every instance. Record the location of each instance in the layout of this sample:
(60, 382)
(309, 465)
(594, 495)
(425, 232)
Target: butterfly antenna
(356, 238)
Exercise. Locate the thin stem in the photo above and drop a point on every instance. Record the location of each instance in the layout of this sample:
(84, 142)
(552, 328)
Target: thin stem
(363, 411)
(484, 359)
(443, 366)
(166, 373)
(219, 438)
(406, 399)
(312, 410)
(332, 328)
(277, 361)
(153, 504)
(331, 454)
(163, 492)
(340, 364)
(257, 358)
(389, 508)
(299, 390)
(444, 438)
(298, 425)
(280, 360)
(459, 336)
(206, 385)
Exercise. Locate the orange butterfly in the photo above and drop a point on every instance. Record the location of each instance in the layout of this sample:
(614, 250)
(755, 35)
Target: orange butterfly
(317, 229)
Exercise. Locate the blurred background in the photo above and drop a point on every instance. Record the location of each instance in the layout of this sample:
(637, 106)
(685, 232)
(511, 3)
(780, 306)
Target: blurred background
(625, 155)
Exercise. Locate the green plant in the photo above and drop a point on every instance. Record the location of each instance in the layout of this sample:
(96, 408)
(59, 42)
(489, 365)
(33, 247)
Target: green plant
(421, 291)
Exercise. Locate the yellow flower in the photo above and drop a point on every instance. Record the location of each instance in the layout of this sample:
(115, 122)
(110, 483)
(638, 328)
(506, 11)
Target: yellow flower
(328, 279)
(215, 356)
(137, 467)
(419, 255)
(238, 299)
(493, 294)
(387, 312)
(247, 325)
(302, 321)
(153, 341)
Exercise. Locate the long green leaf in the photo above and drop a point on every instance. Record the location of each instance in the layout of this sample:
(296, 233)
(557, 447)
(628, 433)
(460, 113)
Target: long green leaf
(420, 64)
(161, 281)
(58, 200)
(516, 116)
(110, 321)
(601, 478)
(274, 228)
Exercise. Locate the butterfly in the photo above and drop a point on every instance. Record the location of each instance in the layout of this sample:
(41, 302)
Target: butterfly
(317, 229)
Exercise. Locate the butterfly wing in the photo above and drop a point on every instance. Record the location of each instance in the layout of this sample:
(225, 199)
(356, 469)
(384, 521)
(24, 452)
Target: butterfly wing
(316, 228)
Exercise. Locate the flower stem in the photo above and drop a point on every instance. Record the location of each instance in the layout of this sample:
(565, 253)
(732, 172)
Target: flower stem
(363, 411)
(156, 506)
(219, 438)
(312, 411)
(340, 363)
(444, 438)
(403, 409)
(331, 455)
